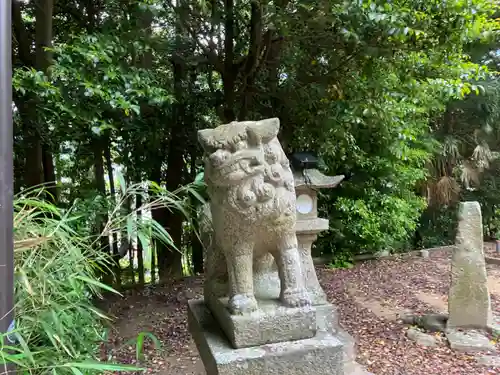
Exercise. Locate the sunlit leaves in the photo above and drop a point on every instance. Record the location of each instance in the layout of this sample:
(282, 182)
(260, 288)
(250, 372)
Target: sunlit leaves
(397, 64)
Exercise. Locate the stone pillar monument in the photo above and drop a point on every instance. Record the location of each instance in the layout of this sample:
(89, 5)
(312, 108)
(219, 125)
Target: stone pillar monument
(469, 302)
(263, 310)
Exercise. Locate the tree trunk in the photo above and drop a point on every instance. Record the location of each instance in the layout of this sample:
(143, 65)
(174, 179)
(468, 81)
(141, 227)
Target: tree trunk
(140, 257)
(197, 249)
(153, 262)
(39, 163)
(101, 188)
(252, 60)
(196, 245)
(43, 61)
(33, 170)
(49, 173)
(229, 74)
(159, 252)
(43, 34)
(114, 246)
(170, 265)
(169, 259)
(131, 261)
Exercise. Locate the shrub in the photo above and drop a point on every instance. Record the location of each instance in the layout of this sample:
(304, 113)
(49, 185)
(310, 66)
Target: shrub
(58, 330)
(57, 263)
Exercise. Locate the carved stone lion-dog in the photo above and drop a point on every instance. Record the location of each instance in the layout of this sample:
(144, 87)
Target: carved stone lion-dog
(250, 220)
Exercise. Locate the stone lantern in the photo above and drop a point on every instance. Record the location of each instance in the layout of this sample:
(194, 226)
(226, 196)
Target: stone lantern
(308, 179)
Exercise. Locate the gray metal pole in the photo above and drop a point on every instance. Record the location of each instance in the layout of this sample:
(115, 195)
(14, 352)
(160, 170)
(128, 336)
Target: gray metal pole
(6, 174)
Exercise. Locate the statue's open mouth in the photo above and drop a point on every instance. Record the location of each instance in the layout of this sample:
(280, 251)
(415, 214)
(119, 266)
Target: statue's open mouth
(250, 162)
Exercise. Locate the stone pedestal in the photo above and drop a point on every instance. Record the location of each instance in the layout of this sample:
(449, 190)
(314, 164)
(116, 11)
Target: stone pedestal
(270, 324)
(329, 352)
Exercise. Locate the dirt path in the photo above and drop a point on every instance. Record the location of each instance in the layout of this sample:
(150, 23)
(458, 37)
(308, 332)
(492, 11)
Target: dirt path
(369, 298)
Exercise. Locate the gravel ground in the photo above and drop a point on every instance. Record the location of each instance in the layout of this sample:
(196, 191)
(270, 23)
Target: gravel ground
(369, 297)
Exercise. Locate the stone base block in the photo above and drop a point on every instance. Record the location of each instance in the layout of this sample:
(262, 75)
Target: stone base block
(468, 341)
(322, 354)
(494, 326)
(491, 361)
(273, 322)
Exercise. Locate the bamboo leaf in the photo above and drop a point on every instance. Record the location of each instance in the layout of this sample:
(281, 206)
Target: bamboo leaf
(90, 365)
(98, 284)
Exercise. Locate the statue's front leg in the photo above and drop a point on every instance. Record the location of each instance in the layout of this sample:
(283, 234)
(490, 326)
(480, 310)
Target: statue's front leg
(239, 266)
(293, 291)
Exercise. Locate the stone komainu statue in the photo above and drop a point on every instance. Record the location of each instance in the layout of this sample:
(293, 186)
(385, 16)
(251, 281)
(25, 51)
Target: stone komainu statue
(250, 220)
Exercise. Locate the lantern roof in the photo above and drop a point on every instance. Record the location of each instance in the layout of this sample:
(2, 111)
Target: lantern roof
(314, 179)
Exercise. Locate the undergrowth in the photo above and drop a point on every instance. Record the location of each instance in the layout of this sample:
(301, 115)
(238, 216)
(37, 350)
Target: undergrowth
(58, 330)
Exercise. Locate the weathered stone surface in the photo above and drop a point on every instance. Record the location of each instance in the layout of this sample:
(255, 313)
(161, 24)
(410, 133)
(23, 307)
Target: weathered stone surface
(407, 318)
(315, 179)
(271, 323)
(253, 211)
(382, 254)
(274, 323)
(351, 367)
(488, 360)
(428, 322)
(494, 326)
(320, 355)
(261, 289)
(327, 318)
(468, 341)
(433, 322)
(306, 237)
(469, 299)
(421, 338)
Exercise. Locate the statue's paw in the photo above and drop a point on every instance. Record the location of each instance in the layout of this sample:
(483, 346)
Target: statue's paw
(241, 304)
(296, 298)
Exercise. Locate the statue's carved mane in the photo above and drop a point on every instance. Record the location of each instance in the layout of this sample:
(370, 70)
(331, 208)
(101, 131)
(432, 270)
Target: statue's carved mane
(229, 135)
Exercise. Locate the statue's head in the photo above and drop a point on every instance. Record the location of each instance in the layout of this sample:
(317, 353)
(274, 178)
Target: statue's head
(235, 152)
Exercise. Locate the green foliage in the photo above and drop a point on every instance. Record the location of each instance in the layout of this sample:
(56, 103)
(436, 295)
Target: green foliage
(90, 95)
(486, 192)
(139, 344)
(341, 260)
(376, 222)
(57, 327)
(365, 83)
(437, 227)
(375, 83)
(466, 164)
(398, 96)
(86, 70)
(57, 267)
